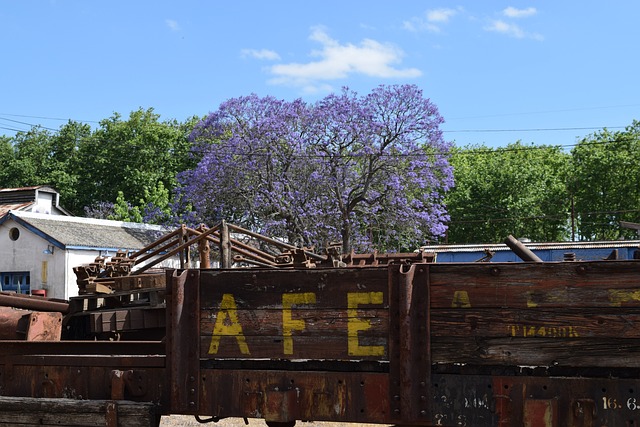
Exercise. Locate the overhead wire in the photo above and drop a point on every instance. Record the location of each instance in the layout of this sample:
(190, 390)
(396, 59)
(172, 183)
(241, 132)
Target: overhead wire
(47, 118)
(28, 124)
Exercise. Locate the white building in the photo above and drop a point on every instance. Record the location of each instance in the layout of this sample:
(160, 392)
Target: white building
(37, 199)
(38, 251)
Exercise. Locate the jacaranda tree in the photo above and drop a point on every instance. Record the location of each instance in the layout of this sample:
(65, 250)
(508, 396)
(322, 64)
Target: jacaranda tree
(366, 171)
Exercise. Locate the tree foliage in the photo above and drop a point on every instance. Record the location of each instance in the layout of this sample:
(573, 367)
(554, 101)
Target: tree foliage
(367, 171)
(130, 156)
(518, 190)
(604, 183)
(362, 170)
(139, 157)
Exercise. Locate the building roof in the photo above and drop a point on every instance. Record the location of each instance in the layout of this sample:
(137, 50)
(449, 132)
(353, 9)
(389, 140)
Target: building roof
(27, 198)
(87, 233)
(5, 208)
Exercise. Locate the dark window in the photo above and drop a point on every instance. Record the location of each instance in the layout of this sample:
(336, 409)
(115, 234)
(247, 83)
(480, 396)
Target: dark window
(19, 282)
(14, 233)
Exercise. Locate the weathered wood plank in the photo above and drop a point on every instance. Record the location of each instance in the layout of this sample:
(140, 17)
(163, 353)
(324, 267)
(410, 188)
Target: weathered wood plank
(526, 323)
(609, 353)
(308, 322)
(271, 288)
(522, 285)
(27, 411)
(331, 347)
(508, 313)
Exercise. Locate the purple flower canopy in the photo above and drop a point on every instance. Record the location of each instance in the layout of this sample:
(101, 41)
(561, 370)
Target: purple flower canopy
(368, 171)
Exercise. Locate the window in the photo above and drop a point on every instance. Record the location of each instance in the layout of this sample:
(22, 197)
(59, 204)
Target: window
(14, 233)
(19, 282)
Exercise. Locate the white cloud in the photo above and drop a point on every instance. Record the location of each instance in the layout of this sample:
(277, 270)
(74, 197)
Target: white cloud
(505, 28)
(265, 54)
(339, 61)
(431, 20)
(512, 12)
(512, 30)
(440, 15)
(172, 24)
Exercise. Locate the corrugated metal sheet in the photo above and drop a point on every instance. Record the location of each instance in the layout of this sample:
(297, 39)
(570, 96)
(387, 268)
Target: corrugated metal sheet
(5, 208)
(496, 247)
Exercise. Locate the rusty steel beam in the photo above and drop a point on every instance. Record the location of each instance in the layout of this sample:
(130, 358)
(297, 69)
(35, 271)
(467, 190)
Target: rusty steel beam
(33, 303)
(275, 242)
(183, 304)
(409, 343)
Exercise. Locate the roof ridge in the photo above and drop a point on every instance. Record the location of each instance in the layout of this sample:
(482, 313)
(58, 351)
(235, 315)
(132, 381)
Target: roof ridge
(83, 220)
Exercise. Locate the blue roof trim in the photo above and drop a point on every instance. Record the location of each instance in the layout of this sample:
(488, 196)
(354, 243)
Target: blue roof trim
(34, 230)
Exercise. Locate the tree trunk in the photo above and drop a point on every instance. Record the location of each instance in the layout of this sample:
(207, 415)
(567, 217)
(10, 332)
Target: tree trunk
(346, 236)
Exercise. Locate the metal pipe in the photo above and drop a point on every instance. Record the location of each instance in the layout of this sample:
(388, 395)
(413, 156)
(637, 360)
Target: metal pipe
(32, 303)
(521, 250)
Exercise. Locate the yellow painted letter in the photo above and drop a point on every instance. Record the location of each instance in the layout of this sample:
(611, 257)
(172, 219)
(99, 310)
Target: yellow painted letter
(355, 324)
(461, 300)
(227, 324)
(288, 324)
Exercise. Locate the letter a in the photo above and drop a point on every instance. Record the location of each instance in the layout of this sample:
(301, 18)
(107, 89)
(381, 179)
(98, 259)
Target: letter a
(227, 324)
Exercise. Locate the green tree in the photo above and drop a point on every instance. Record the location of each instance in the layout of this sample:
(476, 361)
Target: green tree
(124, 211)
(42, 157)
(64, 173)
(6, 159)
(518, 190)
(131, 156)
(604, 183)
(31, 158)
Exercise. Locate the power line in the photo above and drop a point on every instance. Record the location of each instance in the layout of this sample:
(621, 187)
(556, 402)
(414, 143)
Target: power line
(11, 129)
(28, 124)
(541, 217)
(47, 118)
(566, 110)
(530, 130)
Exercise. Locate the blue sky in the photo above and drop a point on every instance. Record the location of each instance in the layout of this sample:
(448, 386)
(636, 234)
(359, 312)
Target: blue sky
(544, 72)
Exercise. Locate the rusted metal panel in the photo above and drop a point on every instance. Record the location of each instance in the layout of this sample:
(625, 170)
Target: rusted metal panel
(289, 395)
(183, 346)
(30, 326)
(44, 326)
(540, 413)
(281, 406)
(83, 382)
(409, 343)
(10, 320)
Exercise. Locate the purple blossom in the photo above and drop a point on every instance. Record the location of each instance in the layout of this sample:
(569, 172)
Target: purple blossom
(368, 171)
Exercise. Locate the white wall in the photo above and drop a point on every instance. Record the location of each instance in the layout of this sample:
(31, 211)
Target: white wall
(52, 272)
(26, 254)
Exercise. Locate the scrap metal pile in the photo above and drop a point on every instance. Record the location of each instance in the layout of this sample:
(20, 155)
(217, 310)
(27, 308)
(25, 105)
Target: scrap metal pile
(229, 246)
(123, 297)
